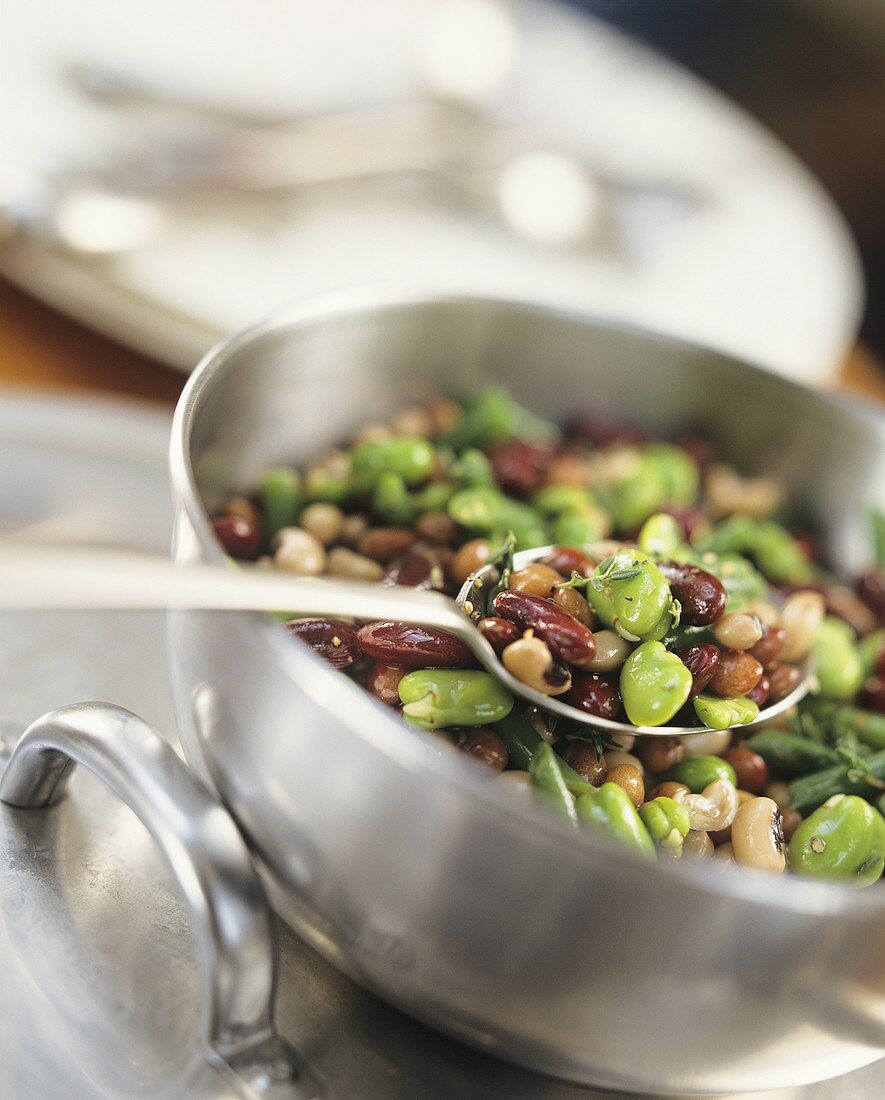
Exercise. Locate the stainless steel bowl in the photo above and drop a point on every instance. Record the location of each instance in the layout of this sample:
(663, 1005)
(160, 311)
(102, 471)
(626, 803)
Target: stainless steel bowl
(397, 858)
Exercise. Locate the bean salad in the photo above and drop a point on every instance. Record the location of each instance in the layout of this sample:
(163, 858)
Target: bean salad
(675, 593)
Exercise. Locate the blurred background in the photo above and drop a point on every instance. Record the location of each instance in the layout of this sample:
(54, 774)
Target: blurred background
(707, 168)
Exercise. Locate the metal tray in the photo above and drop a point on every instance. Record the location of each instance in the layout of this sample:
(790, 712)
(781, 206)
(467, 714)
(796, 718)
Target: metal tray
(100, 992)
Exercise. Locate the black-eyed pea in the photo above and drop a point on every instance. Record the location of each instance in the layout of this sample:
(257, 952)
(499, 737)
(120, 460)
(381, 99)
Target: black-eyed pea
(757, 836)
(342, 562)
(324, 521)
(530, 661)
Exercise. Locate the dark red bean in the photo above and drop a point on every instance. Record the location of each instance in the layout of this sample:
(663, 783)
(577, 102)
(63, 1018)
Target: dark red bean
(810, 545)
(383, 682)
(567, 560)
(702, 595)
(603, 431)
(240, 538)
(749, 767)
(594, 694)
(412, 646)
(519, 467)
(498, 632)
(782, 680)
(331, 639)
(698, 446)
(871, 589)
(569, 641)
(485, 746)
(737, 674)
(419, 568)
(582, 756)
(759, 694)
(701, 660)
(769, 645)
(842, 602)
(872, 694)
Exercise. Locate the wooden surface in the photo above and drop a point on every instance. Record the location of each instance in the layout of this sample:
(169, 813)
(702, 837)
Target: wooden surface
(41, 348)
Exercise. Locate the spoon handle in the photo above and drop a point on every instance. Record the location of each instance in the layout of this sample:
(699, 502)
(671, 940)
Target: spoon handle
(37, 577)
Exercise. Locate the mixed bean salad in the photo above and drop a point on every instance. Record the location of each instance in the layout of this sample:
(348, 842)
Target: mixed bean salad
(674, 594)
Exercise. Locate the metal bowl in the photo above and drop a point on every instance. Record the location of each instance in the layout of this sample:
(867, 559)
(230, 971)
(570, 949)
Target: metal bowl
(398, 858)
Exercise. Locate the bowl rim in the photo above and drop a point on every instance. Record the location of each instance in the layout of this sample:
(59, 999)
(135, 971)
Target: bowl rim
(370, 721)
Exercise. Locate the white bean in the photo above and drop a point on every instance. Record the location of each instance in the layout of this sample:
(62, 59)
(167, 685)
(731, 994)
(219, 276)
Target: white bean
(712, 743)
(714, 808)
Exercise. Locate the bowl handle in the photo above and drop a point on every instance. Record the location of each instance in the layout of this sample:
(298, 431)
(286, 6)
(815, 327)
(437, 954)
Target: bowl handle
(211, 866)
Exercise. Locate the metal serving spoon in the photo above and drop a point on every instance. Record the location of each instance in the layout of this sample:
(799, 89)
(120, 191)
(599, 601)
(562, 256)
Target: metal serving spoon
(40, 577)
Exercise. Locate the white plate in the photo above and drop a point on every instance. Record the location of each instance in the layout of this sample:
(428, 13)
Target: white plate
(763, 268)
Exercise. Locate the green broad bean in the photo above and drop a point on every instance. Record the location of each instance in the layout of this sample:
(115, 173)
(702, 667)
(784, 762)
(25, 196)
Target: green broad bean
(320, 485)
(870, 649)
(578, 528)
(472, 468)
(492, 416)
(667, 823)
(552, 500)
(410, 457)
(838, 663)
(733, 535)
(843, 841)
(661, 536)
(435, 697)
(633, 499)
(433, 497)
(779, 555)
(698, 772)
(608, 809)
(630, 594)
(548, 779)
(392, 502)
(483, 510)
(279, 492)
(677, 471)
(654, 685)
(723, 714)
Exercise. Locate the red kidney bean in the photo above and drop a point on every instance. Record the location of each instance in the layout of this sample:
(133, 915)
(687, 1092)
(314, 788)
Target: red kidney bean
(567, 560)
(782, 680)
(420, 568)
(698, 446)
(737, 674)
(569, 640)
(486, 746)
(702, 595)
(412, 646)
(769, 645)
(240, 538)
(383, 682)
(331, 639)
(689, 519)
(498, 632)
(749, 767)
(594, 694)
(603, 431)
(872, 694)
(519, 467)
(871, 589)
(759, 694)
(701, 660)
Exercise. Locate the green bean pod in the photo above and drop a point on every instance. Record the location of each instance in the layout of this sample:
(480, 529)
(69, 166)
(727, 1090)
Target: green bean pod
(279, 492)
(608, 809)
(547, 777)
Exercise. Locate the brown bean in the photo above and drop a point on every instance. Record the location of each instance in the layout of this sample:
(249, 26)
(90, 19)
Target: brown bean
(769, 645)
(383, 682)
(871, 589)
(412, 646)
(702, 595)
(594, 694)
(737, 630)
(419, 568)
(385, 543)
(437, 527)
(568, 469)
(573, 603)
(749, 767)
(486, 747)
(240, 538)
(567, 560)
(702, 661)
(569, 640)
(536, 579)
(519, 466)
(659, 754)
(581, 755)
(331, 639)
(792, 819)
(629, 780)
(761, 691)
(498, 632)
(843, 603)
(471, 556)
(669, 789)
(737, 674)
(782, 680)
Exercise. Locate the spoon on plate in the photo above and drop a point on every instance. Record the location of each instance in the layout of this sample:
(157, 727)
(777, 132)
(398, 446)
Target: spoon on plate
(41, 577)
